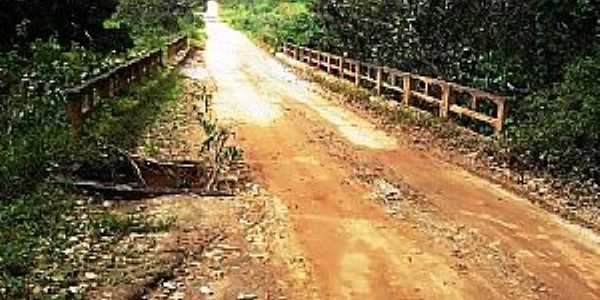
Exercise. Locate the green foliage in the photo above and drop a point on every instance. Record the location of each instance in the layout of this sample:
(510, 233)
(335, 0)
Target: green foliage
(33, 131)
(558, 128)
(37, 228)
(121, 122)
(273, 22)
(22, 22)
(215, 146)
(496, 44)
(36, 218)
(152, 23)
(41, 57)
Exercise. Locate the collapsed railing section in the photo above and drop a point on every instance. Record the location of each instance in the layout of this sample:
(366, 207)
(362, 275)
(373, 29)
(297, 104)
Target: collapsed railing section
(84, 98)
(449, 98)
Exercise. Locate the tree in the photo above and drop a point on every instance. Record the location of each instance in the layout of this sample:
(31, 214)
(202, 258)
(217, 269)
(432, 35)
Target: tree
(23, 21)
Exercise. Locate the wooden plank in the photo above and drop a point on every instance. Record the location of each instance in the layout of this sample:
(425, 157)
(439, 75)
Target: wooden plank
(463, 111)
(319, 59)
(427, 98)
(407, 89)
(501, 116)
(474, 103)
(368, 79)
(445, 105)
(357, 74)
(393, 87)
(378, 83)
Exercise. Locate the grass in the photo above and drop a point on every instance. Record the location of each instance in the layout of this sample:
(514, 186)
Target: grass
(30, 224)
(120, 122)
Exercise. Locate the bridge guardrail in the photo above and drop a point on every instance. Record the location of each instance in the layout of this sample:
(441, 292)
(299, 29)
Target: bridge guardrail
(84, 98)
(449, 98)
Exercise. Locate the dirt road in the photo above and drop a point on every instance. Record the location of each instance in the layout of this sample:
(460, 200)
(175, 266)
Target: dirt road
(460, 237)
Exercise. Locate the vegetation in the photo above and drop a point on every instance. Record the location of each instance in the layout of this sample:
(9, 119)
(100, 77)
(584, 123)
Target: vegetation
(542, 54)
(153, 23)
(22, 22)
(559, 128)
(272, 22)
(46, 48)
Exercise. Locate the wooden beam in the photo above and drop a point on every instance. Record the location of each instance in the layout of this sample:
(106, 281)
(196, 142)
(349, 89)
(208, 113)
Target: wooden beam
(357, 74)
(445, 105)
(501, 116)
(407, 89)
(379, 79)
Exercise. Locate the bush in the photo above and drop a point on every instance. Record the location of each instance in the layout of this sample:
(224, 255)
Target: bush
(152, 23)
(34, 134)
(273, 22)
(559, 129)
(495, 44)
(22, 22)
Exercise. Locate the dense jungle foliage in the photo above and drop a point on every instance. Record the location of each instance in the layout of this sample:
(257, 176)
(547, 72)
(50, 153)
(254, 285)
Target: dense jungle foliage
(543, 54)
(47, 47)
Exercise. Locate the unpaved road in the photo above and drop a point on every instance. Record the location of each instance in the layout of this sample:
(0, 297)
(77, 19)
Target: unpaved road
(315, 157)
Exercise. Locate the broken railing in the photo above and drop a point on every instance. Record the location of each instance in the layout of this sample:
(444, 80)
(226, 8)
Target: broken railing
(84, 98)
(449, 98)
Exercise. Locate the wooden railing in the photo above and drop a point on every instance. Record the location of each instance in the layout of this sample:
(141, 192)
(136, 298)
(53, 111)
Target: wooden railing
(177, 46)
(84, 98)
(449, 98)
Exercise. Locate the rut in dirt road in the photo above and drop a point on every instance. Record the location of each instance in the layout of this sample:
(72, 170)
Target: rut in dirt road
(310, 153)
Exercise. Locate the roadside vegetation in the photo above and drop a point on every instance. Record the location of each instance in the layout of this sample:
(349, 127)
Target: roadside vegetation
(272, 22)
(543, 55)
(48, 47)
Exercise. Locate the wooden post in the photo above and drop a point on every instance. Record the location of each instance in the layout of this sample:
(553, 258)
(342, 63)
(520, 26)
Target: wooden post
(75, 116)
(328, 63)
(357, 74)
(296, 52)
(342, 67)
(318, 60)
(445, 105)
(111, 85)
(406, 88)
(501, 115)
(474, 103)
(393, 79)
(379, 83)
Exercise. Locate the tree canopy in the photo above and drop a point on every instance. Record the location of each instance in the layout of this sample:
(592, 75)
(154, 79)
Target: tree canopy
(22, 22)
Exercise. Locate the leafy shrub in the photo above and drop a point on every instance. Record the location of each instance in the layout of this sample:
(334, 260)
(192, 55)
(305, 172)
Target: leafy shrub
(273, 22)
(22, 22)
(154, 22)
(31, 219)
(496, 44)
(559, 128)
(34, 133)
